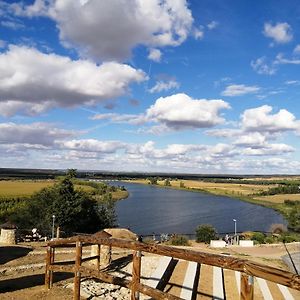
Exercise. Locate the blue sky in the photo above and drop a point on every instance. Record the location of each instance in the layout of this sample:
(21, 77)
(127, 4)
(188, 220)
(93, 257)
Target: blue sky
(158, 85)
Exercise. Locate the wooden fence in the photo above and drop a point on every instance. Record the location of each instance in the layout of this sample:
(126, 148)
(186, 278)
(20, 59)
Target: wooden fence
(247, 268)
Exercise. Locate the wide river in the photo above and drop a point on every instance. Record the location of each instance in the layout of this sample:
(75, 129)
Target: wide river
(151, 209)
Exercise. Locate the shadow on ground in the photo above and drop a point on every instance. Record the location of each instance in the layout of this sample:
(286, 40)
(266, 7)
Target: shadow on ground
(14, 284)
(8, 253)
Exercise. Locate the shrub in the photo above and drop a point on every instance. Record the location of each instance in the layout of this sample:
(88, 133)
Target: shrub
(289, 237)
(205, 233)
(179, 240)
(278, 228)
(259, 237)
(270, 239)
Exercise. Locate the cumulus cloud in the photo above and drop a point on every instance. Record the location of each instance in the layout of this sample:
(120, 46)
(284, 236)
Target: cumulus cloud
(280, 59)
(47, 80)
(239, 90)
(93, 145)
(109, 30)
(32, 134)
(164, 86)
(120, 118)
(281, 33)
(180, 111)
(260, 119)
(269, 149)
(297, 49)
(155, 55)
(261, 67)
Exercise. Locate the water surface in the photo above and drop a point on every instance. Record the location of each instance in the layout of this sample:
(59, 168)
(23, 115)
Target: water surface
(151, 209)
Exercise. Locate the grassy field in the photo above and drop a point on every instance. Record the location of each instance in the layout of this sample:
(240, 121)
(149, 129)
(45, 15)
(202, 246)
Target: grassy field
(280, 198)
(243, 191)
(25, 188)
(20, 188)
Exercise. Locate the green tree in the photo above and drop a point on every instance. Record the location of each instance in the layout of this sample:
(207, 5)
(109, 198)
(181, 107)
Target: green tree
(74, 210)
(72, 173)
(181, 184)
(205, 233)
(152, 180)
(167, 182)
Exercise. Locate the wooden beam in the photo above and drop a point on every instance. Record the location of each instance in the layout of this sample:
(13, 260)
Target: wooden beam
(136, 274)
(77, 275)
(47, 270)
(247, 287)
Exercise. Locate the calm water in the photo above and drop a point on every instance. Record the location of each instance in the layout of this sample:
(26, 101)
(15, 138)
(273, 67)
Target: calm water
(151, 209)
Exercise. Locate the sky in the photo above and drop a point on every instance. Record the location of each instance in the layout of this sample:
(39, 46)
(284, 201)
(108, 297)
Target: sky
(175, 86)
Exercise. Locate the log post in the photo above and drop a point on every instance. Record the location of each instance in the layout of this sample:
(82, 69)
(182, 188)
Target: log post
(247, 287)
(52, 262)
(136, 275)
(48, 263)
(77, 276)
(98, 258)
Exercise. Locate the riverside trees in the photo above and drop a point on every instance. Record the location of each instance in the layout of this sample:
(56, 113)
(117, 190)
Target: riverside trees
(75, 210)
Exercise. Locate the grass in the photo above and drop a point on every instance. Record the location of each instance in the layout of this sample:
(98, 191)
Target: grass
(20, 188)
(280, 198)
(25, 188)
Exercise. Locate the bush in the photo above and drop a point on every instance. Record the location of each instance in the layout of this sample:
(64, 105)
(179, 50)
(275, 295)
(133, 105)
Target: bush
(259, 237)
(270, 239)
(289, 237)
(179, 240)
(205, 233)
(278, 228)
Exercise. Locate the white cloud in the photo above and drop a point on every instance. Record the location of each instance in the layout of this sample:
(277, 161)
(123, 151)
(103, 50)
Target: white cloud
(119, 118)
(239, 90)
(198, 33)
(261, 67)
(93, 145)
(108, 30)
(297, 49)
(180, 111)
(212, 25)
(32, 134)
(47, 80)
(12, 24)
(253, 140)
(281, 60)
(281, 32)
(164, 86)
(292, 82)
(269, 149)
(260, 119)
(155, 55)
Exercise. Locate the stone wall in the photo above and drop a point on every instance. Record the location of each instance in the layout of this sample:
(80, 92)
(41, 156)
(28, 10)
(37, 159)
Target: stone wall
(8, 236)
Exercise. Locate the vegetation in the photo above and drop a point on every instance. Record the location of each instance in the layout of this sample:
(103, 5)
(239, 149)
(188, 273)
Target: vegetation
(179, 240)
(152, 180)
(205, 233)
(74, 210)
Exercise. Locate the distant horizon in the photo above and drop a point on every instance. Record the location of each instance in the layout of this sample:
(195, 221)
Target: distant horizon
(185, 86)
(151, 173)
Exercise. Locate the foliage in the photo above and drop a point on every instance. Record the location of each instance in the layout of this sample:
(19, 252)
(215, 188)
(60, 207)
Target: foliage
(181, 184)
(179, 240)
(71, 173)
(282, 189)
(75, 211)
(288, 237)
(277, 228)
(152, 180)
(259, 237)
(205, 233)
(167, 182)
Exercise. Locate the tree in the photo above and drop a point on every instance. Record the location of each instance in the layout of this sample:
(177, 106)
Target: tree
(181, 184)
(74, 210)
(205, 233)
(167, 182)
(152, 180)
(71, 173)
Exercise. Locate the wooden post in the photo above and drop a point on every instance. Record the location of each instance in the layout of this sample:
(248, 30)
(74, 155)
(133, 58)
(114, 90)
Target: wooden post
(76, 270)
(247, 287)
(136, 274)
(98, 258)
(48, 263)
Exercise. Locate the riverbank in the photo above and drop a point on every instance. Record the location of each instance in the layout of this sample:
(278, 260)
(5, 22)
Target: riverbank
(247, 192)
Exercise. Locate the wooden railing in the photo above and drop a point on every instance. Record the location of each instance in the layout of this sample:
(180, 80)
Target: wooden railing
(247, 268)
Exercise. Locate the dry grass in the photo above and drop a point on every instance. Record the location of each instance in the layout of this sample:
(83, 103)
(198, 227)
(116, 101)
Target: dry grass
(25, 188)
(279, 198)
(20, 188)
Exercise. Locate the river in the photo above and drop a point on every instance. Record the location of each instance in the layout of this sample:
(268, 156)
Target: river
(151, 209)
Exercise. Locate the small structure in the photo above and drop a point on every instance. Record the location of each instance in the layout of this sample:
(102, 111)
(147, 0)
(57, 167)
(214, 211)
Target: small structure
(8, 233)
